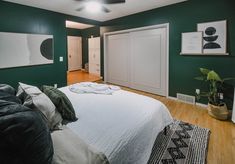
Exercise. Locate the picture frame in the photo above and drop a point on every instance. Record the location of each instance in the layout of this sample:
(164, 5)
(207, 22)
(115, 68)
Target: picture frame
(23, 49)
(191, 43)
(214, 37)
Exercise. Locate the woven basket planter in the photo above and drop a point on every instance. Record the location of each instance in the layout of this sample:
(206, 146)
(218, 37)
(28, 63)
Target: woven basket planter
(218, 112)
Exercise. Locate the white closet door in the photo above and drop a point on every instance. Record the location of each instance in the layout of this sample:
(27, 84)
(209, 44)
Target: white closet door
(148, 61)
(74, 53)
(118, 50)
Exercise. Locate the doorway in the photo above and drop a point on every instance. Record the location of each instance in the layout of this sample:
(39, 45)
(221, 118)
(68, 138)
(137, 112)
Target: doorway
(78, 53)
(74, 53)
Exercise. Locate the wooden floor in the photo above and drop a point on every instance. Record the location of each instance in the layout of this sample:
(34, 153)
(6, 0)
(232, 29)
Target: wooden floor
(222, 139)
(80, 76)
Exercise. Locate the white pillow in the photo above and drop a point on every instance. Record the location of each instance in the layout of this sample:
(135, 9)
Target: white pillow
(33, 98)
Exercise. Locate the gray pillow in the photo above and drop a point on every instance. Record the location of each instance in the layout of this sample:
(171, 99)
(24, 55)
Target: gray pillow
(36, 100)
(7, 89)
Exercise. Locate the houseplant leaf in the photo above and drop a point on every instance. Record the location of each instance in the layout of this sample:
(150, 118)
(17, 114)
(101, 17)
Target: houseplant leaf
(212, 75)
(204, 71)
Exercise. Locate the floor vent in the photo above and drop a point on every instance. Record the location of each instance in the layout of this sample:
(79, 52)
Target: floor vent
(186, 98)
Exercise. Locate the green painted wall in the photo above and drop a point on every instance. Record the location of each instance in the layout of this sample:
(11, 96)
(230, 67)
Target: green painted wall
(183, 17)
(73, 32)
(23, 19)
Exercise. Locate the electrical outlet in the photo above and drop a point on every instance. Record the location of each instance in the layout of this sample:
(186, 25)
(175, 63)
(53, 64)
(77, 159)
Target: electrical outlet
(221, 96)
(61, 59)
(197, 91)
(55, 85)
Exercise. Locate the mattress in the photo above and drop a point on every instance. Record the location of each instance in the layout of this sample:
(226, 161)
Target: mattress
(123, 125)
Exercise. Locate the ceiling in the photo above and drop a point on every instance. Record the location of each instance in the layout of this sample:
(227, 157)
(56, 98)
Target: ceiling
(117, 10)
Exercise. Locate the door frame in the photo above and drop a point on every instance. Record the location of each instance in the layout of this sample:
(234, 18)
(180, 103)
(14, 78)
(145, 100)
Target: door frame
(165, 25)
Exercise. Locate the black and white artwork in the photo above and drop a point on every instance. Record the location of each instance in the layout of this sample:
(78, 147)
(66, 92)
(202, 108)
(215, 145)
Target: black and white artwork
(214, 37)
(18, 49)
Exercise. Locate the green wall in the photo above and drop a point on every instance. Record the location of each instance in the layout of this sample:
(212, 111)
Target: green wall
(74, 32)
(183, 17)
(23, 19)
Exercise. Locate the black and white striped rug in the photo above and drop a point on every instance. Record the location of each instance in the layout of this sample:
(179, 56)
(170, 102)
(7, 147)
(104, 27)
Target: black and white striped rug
(184, 144)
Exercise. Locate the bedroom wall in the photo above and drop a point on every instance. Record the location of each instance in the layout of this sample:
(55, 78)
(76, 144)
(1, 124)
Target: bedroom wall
(74, 32)
(23, 19)
(183, 17)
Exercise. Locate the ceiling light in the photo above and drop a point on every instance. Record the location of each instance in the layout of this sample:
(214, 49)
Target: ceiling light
(93, 7)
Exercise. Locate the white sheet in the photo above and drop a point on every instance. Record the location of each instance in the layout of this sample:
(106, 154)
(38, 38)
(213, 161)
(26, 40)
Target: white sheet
(123, 126)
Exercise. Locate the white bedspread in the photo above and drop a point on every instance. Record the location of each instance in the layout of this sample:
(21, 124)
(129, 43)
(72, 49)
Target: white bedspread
(123, 126)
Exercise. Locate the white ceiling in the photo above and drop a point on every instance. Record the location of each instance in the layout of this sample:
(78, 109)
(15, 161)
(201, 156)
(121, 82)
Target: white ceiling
(117, 10)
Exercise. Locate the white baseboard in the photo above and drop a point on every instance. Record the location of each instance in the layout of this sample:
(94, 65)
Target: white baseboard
(198, 104)
(172, 98)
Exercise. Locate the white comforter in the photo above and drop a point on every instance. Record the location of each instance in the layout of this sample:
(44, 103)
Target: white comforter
(123, 125)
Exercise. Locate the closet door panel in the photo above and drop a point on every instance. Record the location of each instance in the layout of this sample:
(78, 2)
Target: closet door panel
(147, 60)
(118, 59)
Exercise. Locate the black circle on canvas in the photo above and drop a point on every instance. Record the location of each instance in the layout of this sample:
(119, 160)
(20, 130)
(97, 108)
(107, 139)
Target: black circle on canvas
(210, 31)
(46, 49)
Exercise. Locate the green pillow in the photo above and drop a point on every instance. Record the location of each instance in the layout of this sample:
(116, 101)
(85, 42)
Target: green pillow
(61, 101)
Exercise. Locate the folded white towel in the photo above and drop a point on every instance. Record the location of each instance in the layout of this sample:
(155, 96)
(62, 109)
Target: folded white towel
(89, 87)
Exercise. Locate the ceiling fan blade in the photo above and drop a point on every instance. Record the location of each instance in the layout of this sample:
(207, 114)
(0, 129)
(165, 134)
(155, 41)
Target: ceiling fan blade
(111, 1)
(80, 8)
(106, 10)
(105, 1)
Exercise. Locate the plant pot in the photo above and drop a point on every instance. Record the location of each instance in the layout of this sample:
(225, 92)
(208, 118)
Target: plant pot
(219, 112)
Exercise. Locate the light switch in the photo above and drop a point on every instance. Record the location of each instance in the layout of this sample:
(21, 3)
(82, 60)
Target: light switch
(61, 58)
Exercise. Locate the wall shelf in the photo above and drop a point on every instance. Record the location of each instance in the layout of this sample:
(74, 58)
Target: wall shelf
(204, 54)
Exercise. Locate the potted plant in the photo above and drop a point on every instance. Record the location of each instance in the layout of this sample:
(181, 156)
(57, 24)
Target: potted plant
(216, 106)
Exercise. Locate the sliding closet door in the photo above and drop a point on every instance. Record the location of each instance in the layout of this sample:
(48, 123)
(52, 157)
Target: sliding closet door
(148, 61)
(118, 50)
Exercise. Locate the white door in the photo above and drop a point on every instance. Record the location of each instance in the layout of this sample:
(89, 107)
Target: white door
(118, 59)
(148, 61)
(94, 55)
(138, 60)
(74, 53)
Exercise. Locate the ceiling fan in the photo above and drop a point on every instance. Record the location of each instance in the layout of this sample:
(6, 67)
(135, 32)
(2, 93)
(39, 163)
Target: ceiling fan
(98, 5)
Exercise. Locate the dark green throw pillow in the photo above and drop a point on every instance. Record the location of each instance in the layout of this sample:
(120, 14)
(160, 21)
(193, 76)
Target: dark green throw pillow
(61, 101)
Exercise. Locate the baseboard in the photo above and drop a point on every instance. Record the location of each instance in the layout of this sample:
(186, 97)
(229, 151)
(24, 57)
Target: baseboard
(172, 98)
(198, 104)
(202, 105)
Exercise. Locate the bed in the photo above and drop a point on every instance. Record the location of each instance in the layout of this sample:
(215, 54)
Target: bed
(123, 125)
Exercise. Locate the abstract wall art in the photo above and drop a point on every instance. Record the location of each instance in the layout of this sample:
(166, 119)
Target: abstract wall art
(18, 49)
(214, 37)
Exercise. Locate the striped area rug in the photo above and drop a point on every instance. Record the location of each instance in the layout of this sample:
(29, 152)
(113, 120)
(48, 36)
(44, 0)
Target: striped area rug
(184, 144)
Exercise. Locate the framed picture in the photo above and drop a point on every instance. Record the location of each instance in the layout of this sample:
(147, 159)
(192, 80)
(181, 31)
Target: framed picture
(214, 37)
(191, 43)
(21, 49)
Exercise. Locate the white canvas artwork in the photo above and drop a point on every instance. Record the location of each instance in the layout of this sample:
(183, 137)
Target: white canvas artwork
(191, 43)
(214, 37)
(17, 49)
